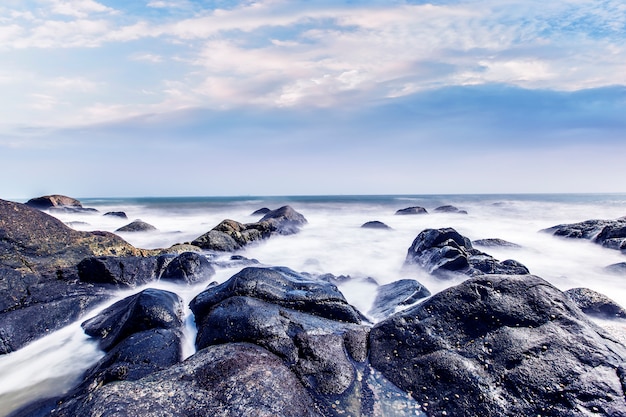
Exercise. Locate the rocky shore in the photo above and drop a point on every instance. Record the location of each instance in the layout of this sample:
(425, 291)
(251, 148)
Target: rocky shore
(272, 341)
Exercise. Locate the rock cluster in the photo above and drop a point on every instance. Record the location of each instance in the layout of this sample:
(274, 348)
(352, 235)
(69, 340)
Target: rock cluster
(608, 233)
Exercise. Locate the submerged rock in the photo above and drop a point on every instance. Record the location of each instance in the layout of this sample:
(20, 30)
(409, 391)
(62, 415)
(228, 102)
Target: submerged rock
(398, 294)
(501, 346)
(119, 214)
(595, 304)
(440, 251)
(608, 233)
(618, 268)
(375, 224)
(412, 210)
(137, 226)
(261, 212)
(449, 209)
(495, 242)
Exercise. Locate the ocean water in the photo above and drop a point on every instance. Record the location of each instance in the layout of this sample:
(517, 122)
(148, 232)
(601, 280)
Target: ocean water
(332, 242)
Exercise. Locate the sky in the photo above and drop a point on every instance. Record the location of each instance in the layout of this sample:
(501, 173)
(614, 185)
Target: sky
(115, 98)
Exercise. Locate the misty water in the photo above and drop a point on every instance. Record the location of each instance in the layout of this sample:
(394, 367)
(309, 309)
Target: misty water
(332, 242)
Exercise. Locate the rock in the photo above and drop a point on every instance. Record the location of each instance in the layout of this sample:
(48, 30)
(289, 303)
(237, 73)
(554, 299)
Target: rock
(412, 210)
(119, 214)
(31, 240)
(262, 211)
(608, 233)
(148, 309)
(618, 268)
(72, 210)
(398, 294)
(440, 251)
(492, 243)
(236, 261)
(137, 226)
(55, 200)
(501, 346)
(595, 304)
(449, 209)
(188, 267)
(375, 225)
(230, 235)
(48, 306)
(283, 287)
(222, 381)
(130, 271)
(285, 220)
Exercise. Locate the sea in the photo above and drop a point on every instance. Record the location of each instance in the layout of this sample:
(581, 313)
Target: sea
(334, 242)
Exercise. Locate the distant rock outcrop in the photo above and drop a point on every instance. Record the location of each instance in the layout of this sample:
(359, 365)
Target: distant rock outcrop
(608, 233)
(137, 226)
(375, 224)
(412, 210)
(55, 200)
(449, 209)
(231, 235)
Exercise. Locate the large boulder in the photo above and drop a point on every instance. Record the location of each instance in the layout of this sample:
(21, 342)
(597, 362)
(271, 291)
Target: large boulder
(148, 309)
(501, 346)
(222, 381)
(31, 240)
(595, 304)
(284, 220)
(122, 271)
(441, 251)
(281, 286)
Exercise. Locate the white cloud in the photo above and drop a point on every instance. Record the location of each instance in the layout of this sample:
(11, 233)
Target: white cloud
(78, 8)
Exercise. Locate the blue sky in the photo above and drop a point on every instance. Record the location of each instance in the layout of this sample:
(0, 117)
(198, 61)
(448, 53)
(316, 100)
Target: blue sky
(224, 97)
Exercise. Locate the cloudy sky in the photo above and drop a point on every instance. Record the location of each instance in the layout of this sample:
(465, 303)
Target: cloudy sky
(272, 97)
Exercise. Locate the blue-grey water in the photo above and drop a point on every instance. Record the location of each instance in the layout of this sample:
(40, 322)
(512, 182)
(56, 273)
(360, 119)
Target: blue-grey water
(333, 242)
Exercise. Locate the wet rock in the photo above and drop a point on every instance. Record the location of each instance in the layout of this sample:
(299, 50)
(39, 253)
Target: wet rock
(120, 271)
(284, 220)
(72, 210)
(496, 243)
(119, 214)
(375, 225)
(188, 267)
(283, 287)
(608, 233)
(501, 345)
(395, 295)
(55, 200)
(31, 240)
(449, 209)
(137, 226)
(618, 268)
(148, 309)
(261, 212)
(222, 381)
(412, 210)
(595, 304)
(441, 251)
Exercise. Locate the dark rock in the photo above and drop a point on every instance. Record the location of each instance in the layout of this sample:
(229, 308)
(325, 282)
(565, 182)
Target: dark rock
(281, 286)
(618, 268)
(397, 294)
(119, 214)
(375, 225)
(137, 226)
(501, 346)
(221, 381)
(608, 233)
(31, 240)
(285, 220)
(49, 306)
(595, 304)
(492, 243)
(236, 261)
(148, 309)
(230, 235)
(412, 210)
(449, 209)
(129, 271)
(188, 267)
(55, 200)
(261, 211)
(440, 251)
